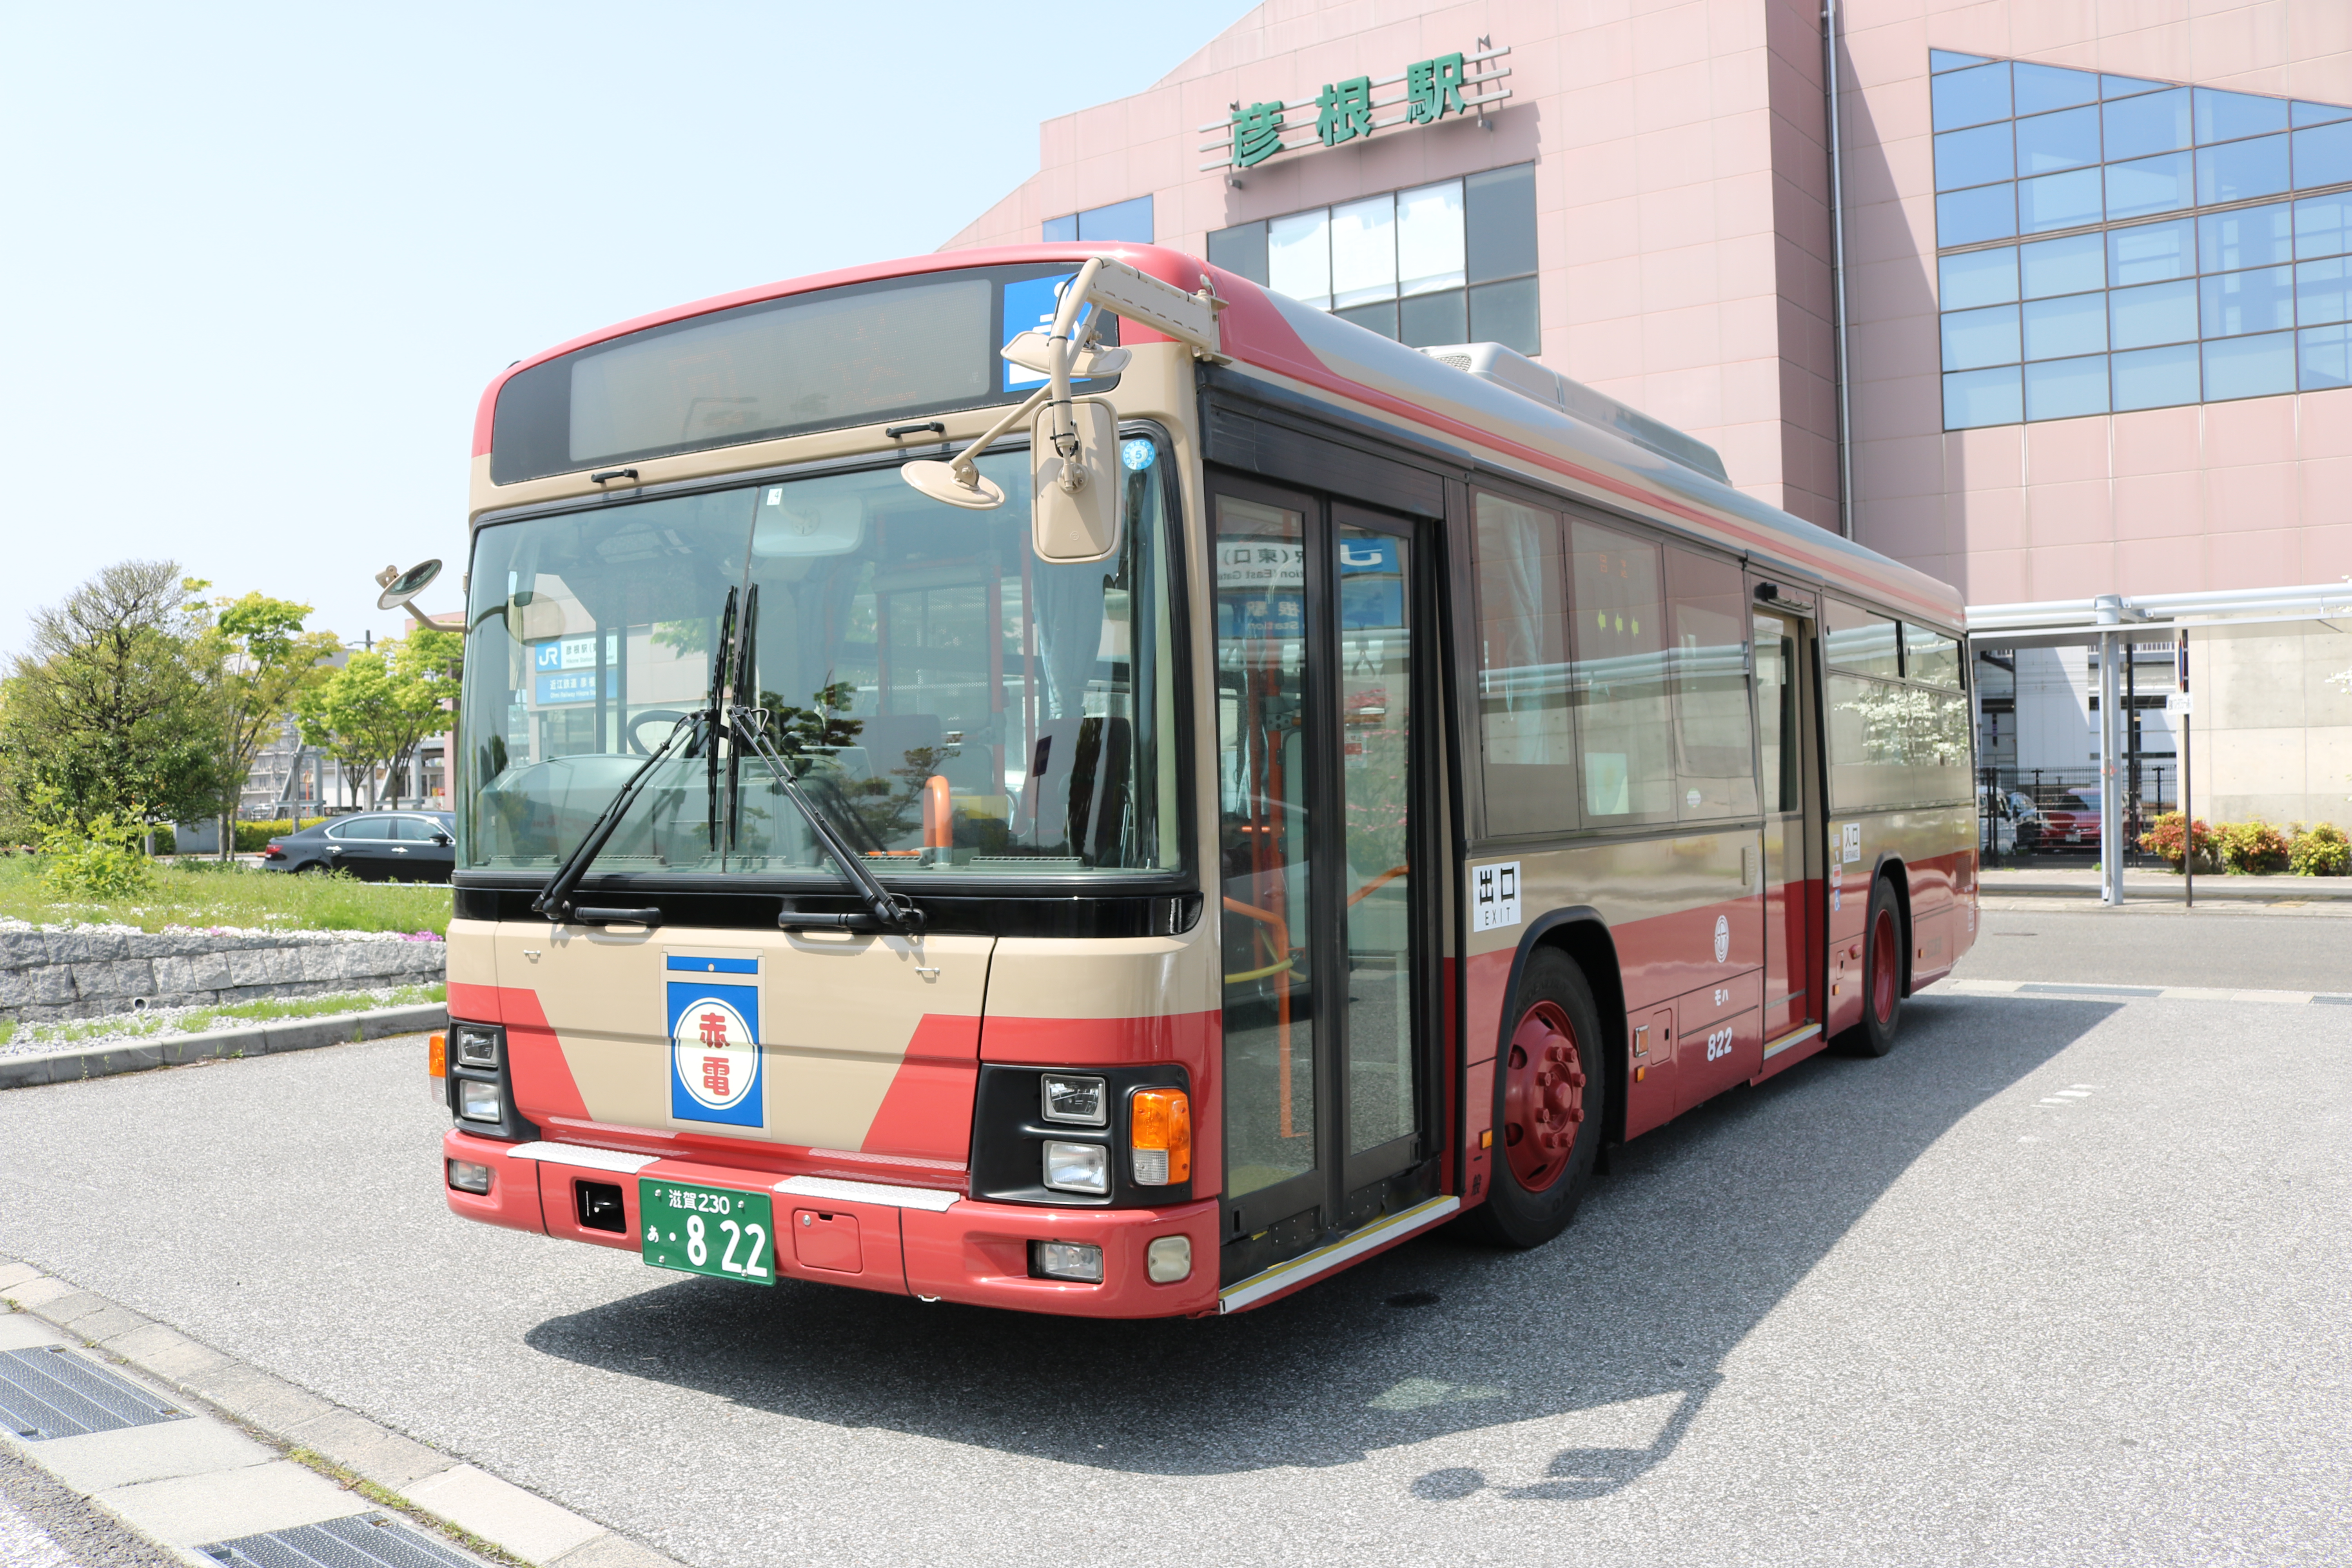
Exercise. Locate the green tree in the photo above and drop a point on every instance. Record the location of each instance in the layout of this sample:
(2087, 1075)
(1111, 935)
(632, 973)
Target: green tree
(108, 712)
(260, 661)
(374, 712)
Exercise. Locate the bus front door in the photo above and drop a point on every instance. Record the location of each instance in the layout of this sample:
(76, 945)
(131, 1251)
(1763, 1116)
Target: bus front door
(1323, 736)
(1794, 929)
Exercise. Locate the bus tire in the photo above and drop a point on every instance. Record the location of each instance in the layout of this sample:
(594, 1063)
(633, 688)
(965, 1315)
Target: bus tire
(1882, 976)
(1552, 1096)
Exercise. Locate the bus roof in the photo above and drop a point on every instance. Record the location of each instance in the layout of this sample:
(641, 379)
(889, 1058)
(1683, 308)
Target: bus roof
(1421, 398)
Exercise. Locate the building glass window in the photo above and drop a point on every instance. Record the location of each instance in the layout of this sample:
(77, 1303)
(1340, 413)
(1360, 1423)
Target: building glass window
(1121, 223)
(2165, 245)
(1443, 263)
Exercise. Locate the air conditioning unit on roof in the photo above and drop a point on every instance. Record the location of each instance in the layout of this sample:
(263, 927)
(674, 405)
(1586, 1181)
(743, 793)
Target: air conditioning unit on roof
(1509, 368)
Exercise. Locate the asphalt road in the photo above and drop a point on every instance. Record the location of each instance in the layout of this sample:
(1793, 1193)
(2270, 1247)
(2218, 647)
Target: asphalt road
(1925, 1309)
(2075, 938)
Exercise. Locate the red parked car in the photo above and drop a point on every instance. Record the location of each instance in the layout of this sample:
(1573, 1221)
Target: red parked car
(2071, 821)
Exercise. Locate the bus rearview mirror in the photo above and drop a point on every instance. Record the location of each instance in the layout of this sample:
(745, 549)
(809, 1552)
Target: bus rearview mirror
(1077, 501)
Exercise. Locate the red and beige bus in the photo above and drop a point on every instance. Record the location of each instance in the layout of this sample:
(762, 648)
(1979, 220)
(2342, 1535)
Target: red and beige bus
(1059, 779)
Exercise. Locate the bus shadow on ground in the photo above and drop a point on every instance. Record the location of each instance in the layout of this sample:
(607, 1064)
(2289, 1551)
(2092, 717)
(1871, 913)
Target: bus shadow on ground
(1596, 1352)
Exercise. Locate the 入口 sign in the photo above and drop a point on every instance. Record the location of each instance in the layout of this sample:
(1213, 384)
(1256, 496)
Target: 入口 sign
(1425, 93)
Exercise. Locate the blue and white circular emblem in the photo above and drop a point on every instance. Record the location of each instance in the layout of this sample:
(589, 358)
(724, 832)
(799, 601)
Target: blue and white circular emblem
(716, 1060)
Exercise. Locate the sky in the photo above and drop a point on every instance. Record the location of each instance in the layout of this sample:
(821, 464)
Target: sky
(260, 261)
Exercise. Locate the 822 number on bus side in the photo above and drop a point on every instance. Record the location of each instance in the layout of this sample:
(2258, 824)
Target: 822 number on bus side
(708, 1230)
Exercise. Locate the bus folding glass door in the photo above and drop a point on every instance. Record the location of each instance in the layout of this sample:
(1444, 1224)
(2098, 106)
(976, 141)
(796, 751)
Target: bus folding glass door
(1321, 758)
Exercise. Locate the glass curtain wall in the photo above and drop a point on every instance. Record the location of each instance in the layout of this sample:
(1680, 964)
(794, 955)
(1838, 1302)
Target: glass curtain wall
(2109, 243)
(1445, 263)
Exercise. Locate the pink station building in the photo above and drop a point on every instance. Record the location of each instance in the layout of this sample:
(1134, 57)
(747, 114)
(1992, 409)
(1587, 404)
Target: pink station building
(2066, 313)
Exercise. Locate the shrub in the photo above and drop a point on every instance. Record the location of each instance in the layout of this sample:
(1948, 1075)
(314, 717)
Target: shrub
(104, 861)
(2252, 848)
(2322, 852)
(2164, 837)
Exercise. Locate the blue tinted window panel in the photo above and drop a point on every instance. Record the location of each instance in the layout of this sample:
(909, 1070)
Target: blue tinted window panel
(2151, 252)
(1976, 278)
(1942, 60)
(2153, 313)
(2323, 225)
(1061, 230)
(2059, 329)
(2320, 114)
(1975, 157)
(2048, 142)
(2154, 378)
(2147, 185)
(2324, 358)
(2323, 291)
(2241, 171)
(2323, 156)
(2037, 88)
(2066, 389)
(2236, 303)
(2138, 127)
(1127, 223)
(1974, 338)
(1987, 212)
(1970, 97)
(2058, 201)
(2226, 116)
(2250, 237)
(2126, 86)
(2248, 367)
(2065, 266)
(1979, 397)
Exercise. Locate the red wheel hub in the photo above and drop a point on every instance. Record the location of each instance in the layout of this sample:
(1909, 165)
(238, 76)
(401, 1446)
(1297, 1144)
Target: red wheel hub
(1543, 1097)
(1885, 967)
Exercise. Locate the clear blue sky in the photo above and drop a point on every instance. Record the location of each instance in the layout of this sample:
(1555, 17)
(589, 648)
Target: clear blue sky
(260, 260)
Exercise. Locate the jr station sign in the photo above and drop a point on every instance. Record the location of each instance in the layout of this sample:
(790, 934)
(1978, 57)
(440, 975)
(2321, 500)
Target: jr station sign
(1424, 93)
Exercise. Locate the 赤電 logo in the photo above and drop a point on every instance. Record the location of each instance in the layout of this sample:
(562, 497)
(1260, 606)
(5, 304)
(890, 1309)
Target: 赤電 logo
(714, 1041)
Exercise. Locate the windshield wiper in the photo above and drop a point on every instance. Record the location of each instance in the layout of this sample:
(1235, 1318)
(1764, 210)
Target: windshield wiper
(554, 900)
(747, 727)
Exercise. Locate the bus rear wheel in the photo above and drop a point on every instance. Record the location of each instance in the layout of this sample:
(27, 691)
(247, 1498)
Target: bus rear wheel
(1550, 1098)
(1882, 976)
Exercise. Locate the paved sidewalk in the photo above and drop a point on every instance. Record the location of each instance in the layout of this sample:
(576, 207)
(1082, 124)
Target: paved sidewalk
(2165, 887)
(199, 1453)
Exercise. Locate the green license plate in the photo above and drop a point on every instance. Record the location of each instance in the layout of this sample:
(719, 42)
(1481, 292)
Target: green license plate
(709, 1230)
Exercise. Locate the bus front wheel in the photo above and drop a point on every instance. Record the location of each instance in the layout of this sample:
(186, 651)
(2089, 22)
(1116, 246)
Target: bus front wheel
(1551, 1092)
(1882, 976)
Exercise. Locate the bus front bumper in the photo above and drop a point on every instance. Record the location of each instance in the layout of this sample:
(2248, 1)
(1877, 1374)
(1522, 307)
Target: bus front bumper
(904, 1241)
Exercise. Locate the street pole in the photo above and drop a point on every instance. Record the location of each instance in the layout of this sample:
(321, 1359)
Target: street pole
(2111, 872)
(2188, 813)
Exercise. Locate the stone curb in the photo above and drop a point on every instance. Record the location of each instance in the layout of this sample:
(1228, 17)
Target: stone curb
(427, 1482)
(26, 1070)
(2088, 991)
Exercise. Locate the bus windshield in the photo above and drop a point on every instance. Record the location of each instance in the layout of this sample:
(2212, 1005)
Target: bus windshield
(956, 707)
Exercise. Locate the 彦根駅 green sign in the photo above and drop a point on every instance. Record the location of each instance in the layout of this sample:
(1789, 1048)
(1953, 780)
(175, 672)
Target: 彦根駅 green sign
(1425, 93)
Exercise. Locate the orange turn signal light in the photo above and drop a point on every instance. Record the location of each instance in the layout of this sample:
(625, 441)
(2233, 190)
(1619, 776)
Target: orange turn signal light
(436, 1054)
(1160, 1131)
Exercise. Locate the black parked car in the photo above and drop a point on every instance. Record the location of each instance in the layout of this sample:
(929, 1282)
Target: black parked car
(374, 845)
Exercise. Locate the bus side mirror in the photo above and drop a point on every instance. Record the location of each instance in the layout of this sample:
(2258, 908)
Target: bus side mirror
(1077, 501)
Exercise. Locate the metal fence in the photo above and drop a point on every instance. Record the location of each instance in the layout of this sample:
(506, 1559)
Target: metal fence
(2051, 816)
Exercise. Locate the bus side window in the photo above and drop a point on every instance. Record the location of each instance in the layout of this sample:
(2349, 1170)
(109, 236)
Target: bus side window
(1522, 630)
(1625, 711)
(1715, 754)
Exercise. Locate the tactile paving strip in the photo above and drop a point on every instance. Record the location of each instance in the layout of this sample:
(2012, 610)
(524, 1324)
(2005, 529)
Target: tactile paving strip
(362, 1541)
(53, 1392)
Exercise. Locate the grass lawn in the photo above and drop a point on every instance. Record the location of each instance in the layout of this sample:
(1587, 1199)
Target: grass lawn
(234, 894)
